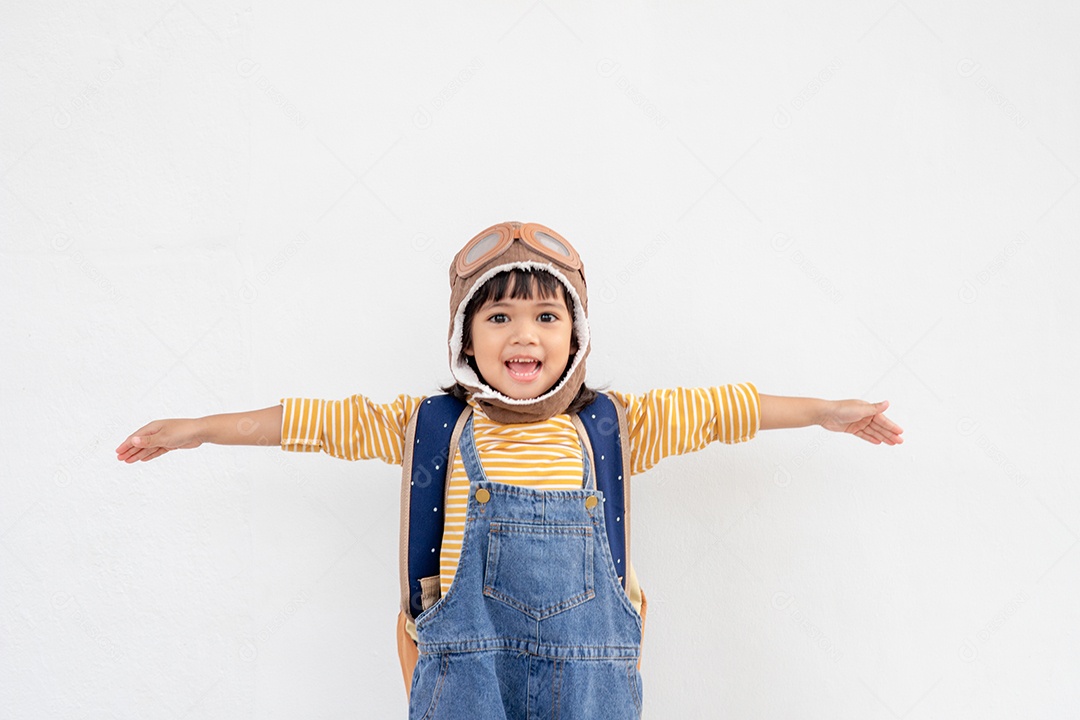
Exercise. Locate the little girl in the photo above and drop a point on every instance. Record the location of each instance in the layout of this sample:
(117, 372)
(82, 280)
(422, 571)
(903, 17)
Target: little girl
(530, 615)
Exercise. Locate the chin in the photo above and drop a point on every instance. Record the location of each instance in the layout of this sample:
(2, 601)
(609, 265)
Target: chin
(528, 395)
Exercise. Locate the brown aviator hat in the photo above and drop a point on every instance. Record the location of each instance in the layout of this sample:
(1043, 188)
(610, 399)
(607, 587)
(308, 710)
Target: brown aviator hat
(509, 246)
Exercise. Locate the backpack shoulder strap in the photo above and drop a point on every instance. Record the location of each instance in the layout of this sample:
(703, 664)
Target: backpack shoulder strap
(425, 468)
(605, 423)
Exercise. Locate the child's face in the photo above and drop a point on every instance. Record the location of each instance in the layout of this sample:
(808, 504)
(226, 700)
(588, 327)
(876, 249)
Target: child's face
(522, 346)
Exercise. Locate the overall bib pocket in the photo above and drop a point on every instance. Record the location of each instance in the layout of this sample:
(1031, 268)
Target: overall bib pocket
(539, 570)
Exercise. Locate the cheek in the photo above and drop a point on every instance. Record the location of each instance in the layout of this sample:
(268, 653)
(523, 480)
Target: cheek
(476, 336)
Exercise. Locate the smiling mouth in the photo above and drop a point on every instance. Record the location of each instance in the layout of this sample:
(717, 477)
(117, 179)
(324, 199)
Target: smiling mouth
(523, 370)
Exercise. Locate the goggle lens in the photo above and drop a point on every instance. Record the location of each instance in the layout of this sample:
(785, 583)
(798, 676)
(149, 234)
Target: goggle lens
(551, 243)
(482, 247)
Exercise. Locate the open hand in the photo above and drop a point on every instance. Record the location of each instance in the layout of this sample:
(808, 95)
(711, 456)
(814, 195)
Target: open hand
(863, 419)
(158, 438)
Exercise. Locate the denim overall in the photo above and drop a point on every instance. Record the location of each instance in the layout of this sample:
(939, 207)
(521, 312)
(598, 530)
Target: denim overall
(535, 623)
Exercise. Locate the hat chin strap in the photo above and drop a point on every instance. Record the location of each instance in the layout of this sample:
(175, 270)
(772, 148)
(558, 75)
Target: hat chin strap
(500, 407)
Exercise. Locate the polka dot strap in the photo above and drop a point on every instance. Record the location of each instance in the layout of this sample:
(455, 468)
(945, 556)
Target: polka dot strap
(605, 428)
(424, 473)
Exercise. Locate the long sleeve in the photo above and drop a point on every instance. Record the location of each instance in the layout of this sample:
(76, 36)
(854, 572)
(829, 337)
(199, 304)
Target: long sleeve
(683, 420)
(351, 429)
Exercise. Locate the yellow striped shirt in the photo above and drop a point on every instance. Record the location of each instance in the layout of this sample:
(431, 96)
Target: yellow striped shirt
(543, 455)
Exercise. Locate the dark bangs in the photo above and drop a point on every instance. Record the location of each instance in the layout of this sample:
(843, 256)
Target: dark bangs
(519, 284)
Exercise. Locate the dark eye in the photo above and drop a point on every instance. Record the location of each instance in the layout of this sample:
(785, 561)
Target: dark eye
(498, 318)
(550, 317)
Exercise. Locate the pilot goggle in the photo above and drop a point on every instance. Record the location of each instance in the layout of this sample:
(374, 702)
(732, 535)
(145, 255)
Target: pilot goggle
(497, 239)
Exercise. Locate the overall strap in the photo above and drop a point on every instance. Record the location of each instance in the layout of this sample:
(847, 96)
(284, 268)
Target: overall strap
(425, 472)
(605, 422)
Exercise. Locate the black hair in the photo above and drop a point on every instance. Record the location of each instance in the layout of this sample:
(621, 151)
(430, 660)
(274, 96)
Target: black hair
(519, 284)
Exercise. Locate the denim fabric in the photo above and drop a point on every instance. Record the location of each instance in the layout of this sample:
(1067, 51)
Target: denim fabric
(535, 623)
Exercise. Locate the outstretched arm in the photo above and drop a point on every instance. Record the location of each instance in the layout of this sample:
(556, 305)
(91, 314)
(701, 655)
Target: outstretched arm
(256, 427)
(858, 417)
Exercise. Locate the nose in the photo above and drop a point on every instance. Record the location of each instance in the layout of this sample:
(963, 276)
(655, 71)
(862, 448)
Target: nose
(524, 334)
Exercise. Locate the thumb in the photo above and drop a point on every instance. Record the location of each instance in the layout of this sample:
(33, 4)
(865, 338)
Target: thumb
(144, 441)
(877, 408)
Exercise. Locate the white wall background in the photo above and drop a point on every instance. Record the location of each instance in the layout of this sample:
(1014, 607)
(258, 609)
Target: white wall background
(208, 206)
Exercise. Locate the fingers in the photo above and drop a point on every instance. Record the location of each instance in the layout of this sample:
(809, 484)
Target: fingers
(142, 455)
(887, 425)
(878, 433)
(126, 451)
(125, 447)
(134, 455)
(887, 429)
(880, 429)
(137, 445)
(868, 437)
(869, 433)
